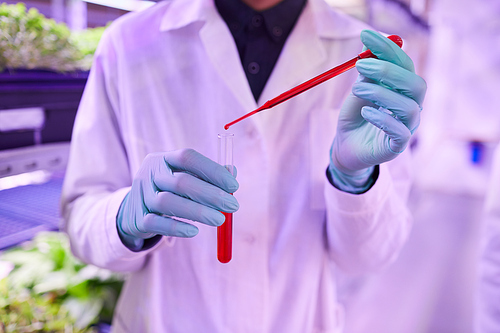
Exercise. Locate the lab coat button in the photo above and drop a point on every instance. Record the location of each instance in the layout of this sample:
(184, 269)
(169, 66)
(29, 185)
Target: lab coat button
(253, 68)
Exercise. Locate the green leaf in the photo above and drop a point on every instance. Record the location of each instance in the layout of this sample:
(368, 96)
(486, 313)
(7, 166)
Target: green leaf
(52, 281)
(80, 290)
(84, 311)
(47, 277)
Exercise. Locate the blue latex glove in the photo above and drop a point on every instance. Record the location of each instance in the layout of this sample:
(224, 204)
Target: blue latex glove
(181, 183)
(378, 119)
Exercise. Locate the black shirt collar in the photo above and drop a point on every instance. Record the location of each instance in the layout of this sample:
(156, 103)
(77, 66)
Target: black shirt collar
(279, 20)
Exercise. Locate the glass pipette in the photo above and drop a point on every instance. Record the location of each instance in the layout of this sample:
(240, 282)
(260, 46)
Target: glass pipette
(314, 82)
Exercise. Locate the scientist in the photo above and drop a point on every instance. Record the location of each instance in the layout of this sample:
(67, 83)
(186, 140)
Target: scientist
(142, 193)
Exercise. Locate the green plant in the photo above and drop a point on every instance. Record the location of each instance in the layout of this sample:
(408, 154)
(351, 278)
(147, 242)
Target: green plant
(86, 41)
(49, 290)
(30, 40)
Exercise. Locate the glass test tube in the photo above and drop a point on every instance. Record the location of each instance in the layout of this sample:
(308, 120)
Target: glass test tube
(225, 231)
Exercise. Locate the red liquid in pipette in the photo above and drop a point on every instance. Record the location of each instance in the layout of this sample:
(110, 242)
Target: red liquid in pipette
(314, 82)
(225, 239)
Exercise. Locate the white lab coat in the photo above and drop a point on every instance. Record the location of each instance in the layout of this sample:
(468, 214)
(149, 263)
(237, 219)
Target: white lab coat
(170, 77)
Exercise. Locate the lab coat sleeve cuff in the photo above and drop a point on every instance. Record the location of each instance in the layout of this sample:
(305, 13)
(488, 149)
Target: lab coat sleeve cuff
(352, 184)
(354, 203)
(366, 231)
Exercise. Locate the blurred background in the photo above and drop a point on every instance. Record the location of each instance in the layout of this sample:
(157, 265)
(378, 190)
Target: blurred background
(46, 50)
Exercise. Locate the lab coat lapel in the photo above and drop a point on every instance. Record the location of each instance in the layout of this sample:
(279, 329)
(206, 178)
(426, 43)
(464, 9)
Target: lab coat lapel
(217, 42)
(300, 59)
(221, 49)
(304, 52)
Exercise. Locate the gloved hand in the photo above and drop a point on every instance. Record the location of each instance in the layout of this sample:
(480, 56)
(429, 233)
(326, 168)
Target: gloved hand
(181, 183)
(378, 119)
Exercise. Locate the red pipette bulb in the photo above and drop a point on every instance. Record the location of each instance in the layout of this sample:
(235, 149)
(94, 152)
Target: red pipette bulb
(314, 82)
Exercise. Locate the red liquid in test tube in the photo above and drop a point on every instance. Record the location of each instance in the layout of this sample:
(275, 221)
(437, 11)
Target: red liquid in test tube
(225, 231)
(225, 239)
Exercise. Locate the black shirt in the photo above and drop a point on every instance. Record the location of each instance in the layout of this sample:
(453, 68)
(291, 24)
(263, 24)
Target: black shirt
(259, 36)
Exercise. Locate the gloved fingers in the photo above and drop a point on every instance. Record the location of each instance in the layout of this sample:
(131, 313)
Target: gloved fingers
(403, 107)
(131, 214)
(195, 189)
(399, 135)
(189, 160)
(163, 225)
(350, 115)
(170, 204)
(394, 77)
(386, 49)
